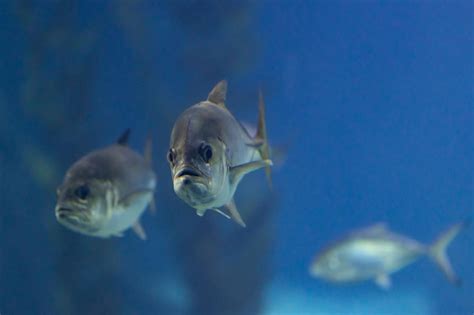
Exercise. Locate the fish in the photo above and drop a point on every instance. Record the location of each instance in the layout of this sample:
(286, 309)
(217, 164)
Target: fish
(106, 191)
(210, 152)
(375, 252)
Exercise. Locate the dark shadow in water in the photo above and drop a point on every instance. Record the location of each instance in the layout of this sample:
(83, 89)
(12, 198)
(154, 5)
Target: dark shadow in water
(44, 268)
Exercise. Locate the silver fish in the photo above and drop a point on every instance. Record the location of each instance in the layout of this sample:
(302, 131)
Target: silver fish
(373, 253)
(106, 191)
(210, 152)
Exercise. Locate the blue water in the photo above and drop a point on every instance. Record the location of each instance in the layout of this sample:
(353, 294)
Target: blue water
(370, 110)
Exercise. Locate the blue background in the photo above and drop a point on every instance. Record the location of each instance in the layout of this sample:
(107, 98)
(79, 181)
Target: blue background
(370, 106)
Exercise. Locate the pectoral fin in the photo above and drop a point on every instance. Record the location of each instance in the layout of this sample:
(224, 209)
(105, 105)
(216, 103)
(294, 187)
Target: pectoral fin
(383, 281)
(139, 230)
(256, 143)
(128, 201)
(237, 172)
(134, 196)
(234, 213)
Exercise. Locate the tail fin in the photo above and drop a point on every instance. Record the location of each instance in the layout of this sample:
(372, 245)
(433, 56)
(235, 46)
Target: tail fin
(148, 152)
(438, 253)
(264, 148)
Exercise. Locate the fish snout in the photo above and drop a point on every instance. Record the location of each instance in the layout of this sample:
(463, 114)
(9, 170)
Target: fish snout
(62, 212)
(314, 271)
(190, 185)
(69, 213)
(187, 171)
(187, 175)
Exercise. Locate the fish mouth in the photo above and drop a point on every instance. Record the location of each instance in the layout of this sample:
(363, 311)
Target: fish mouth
(187, 171)
(62, 213)
(71, 216)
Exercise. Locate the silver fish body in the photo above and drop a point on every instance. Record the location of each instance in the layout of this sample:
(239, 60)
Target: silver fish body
(210, 152)
(105, 192)
(199, 125)
(375, 253)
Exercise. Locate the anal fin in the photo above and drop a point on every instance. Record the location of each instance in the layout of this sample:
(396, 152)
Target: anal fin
(139, 230)
(383, 281)
(234, 213)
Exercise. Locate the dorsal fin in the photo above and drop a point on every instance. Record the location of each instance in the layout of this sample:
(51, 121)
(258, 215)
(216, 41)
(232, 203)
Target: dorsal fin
(377, 228)
(123, 140)
(218, 93)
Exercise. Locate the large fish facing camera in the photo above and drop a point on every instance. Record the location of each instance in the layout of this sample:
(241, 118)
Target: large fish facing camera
(210, 152)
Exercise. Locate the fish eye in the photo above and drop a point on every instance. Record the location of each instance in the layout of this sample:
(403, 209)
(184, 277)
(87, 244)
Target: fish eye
(206, 152)
(171, 156)
(82, 192)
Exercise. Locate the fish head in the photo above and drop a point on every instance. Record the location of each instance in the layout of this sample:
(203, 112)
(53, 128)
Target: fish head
(329, 266)
(199, 166)
(346, 262)
(83, 204)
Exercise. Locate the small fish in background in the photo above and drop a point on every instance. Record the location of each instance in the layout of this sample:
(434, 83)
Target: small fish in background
(106, 191)
(210, 152)
(373, 253)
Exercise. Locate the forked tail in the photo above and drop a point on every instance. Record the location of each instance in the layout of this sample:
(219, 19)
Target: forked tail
(438, 253)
